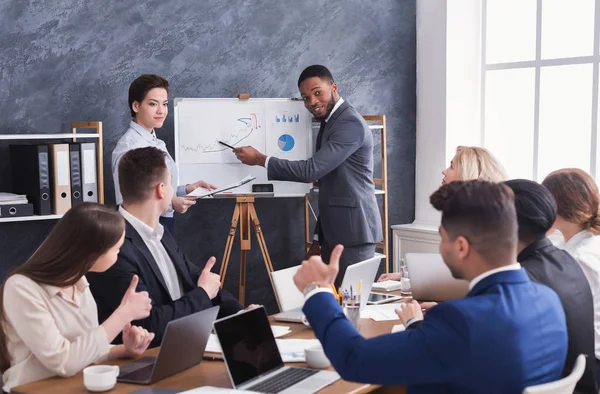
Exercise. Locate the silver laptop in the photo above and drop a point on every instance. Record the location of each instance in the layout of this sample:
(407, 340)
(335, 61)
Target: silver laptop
(365, 270)
(431, 279)
(182, 347)
(253, 360)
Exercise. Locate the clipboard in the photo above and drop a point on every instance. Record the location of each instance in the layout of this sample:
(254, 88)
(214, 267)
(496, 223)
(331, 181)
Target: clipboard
(201, 192)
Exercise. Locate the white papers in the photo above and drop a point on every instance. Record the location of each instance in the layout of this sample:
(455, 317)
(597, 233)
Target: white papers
(202, 192)
(387, 285)
(380, 312)
(12, 199)
(211, 390)
(279, 331)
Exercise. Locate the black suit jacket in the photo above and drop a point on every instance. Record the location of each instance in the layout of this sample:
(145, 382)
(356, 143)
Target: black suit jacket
(555, 268)
(109, 287)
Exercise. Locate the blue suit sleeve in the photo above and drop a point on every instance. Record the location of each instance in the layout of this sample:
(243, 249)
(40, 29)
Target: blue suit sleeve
(346, 137)
(430, 353)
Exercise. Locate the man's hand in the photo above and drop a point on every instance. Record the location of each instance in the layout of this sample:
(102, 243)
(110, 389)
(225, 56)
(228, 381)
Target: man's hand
(390, 276)
(136, 340)
(136, 305)
(426, 306)
(250, 156)
(315, 270)
(181, 204)
(190, 187)
(409, 310)
(210, 282)
(314, 250)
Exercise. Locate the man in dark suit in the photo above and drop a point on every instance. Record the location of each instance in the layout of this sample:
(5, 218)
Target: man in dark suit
(343, 165)
(507, 334)
(555, 268)
(176, 286)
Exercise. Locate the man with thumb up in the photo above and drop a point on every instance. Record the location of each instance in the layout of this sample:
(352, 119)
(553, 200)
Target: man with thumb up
(176, 286)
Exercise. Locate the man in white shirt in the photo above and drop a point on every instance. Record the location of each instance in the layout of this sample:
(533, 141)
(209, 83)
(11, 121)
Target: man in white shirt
(507, 334)
(176, 286)
(343, 165)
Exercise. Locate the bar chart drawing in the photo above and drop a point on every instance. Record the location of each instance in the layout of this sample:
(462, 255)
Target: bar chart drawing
(286, 118)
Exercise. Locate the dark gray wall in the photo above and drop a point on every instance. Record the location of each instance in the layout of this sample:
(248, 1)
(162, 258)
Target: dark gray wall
(67, 60)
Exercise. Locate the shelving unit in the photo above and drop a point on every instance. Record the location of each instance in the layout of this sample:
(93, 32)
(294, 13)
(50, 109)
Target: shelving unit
(380, 189)
(73, 136)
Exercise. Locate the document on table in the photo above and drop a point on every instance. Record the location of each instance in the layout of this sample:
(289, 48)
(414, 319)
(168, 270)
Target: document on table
(202, 192)
(383, 312)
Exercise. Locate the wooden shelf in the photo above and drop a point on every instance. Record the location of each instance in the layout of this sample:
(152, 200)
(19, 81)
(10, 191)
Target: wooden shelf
(30, 218)
(47, 136)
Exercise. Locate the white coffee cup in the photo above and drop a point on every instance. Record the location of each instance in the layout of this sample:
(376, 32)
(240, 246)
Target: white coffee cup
(316, 358)
(100, 377)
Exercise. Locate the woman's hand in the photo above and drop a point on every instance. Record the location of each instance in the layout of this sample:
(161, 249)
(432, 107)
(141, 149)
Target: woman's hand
(136, 340)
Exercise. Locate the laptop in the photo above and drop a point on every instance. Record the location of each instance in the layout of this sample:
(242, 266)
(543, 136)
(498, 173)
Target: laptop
(253, 360)
(182, 347)
(365, 270)
(431, 279)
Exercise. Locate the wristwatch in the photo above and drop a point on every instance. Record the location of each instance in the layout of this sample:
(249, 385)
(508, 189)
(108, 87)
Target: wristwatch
(310, 287)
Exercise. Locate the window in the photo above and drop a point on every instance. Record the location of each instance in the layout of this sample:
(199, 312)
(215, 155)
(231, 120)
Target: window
(539, 107)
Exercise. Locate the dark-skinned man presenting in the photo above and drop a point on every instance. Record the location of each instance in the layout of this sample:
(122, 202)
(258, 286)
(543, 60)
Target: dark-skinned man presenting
(343, 165)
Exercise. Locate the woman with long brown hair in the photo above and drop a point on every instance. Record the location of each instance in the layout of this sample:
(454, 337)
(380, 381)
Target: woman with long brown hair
(578, 219)
(48, 317)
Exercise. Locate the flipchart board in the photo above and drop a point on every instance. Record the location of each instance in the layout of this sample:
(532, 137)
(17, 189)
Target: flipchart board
(275, 127)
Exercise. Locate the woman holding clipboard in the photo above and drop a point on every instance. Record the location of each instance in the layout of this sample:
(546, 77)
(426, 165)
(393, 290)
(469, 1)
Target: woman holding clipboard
(149, 106)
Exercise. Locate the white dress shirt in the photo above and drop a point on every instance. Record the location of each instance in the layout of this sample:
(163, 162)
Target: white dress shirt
(335, 107)
(585, 248)
(48, 332)
(152, 238)
(138, 137)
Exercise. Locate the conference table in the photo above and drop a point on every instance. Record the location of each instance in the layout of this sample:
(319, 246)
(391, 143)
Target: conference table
(214, 373)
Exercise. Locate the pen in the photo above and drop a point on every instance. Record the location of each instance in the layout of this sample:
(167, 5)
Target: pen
(211, 358)
(227, 145)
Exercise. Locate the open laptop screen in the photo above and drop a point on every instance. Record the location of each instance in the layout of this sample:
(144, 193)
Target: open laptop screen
(248, 345)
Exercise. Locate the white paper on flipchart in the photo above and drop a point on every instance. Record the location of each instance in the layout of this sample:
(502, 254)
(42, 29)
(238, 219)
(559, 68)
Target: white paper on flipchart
(380, 312)
(62, 168)
(210, 390)
(89, 166)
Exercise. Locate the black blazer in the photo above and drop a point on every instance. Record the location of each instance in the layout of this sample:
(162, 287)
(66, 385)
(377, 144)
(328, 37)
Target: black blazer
(557, 269)
(109, 287)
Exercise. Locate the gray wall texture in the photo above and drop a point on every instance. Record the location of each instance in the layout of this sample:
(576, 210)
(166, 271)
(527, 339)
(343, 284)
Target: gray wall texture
(68, 60)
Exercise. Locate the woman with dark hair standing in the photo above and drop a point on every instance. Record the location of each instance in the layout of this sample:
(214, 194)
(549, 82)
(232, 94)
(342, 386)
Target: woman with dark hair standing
(578, 219)
(48, 317)
(149, 106)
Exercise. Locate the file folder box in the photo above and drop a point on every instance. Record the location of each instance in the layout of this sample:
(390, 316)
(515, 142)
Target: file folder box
(88, 172)
(75, 163)
(30, 172)
(16, 210)
(60, 182)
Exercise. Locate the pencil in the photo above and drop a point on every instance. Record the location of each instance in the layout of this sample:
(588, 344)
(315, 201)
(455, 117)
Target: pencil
(359, 286)
(227, 145)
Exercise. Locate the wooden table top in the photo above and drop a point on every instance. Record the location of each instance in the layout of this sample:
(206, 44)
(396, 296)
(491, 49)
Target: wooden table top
(214, 373)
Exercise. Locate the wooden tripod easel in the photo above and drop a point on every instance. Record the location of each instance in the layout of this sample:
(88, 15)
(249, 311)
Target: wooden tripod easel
(244, 213)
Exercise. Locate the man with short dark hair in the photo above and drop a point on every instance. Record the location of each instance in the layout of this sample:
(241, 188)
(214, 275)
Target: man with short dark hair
(343, 165)
(557, 269)
(176, 286)
(507, 334)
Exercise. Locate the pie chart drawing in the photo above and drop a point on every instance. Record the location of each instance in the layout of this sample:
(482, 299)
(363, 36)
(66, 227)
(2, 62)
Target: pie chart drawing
(286, 142)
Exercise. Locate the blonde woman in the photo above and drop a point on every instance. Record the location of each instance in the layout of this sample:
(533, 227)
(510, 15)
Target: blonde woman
(469, 163)
(473, 162)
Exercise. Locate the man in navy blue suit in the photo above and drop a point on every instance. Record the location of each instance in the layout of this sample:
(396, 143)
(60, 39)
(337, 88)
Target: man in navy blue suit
(507, 334)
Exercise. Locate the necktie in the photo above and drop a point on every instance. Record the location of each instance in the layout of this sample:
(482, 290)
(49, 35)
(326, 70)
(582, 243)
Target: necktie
(320, 135)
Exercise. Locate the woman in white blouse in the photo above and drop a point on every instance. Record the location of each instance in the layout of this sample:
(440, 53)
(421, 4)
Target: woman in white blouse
(578, 219)
(49, 322)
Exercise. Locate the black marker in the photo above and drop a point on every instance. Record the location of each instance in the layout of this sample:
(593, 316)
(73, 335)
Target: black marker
(227, 145)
